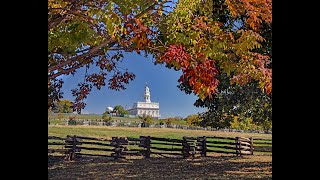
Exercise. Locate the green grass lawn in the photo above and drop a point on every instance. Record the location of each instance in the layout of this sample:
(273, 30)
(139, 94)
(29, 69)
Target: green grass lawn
(109, 131)
(54, 120)
(57, 122)
(78, 116)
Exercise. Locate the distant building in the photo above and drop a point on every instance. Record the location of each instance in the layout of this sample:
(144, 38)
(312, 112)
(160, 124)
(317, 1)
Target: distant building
(146, 107)
(109, 109)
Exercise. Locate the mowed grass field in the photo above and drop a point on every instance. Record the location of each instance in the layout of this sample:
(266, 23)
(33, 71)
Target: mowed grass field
(54, 120)
(217, 166)
(110, 131)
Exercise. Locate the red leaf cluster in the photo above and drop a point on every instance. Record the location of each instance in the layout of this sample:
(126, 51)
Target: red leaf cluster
(199, 72)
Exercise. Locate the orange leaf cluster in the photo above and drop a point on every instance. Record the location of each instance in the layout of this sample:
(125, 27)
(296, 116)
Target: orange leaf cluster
(199, 72)
(137, 36)
(256, 11)
(202, 76)
(254, 67)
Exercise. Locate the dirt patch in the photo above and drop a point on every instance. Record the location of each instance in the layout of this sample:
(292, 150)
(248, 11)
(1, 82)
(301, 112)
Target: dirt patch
(214, 167)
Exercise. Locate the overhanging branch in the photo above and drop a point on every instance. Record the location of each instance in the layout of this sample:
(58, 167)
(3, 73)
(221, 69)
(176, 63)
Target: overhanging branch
(109, 43)
(90, 52)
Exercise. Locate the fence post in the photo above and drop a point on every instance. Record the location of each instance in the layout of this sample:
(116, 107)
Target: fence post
(147, 143)
(116, 149)
(142, 144)
(237, 146)
(185, 148)
(74, 147)
(240, 146)
(204, 146)
(251, 145)
(201, 144)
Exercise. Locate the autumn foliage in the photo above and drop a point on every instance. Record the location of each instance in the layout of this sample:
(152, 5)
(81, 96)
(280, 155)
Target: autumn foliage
(197, 37)
(94, 33)
(198, 75)
(199, 43)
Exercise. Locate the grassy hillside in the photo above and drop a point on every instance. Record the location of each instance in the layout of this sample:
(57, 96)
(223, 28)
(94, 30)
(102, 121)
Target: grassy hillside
(109, 131)
(54, 118)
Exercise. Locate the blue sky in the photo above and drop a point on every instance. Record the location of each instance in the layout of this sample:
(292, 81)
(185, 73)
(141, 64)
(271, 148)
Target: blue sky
(161, 81)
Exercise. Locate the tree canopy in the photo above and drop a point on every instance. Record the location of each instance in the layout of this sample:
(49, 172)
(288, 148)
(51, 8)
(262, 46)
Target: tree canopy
(236, 103)
(240, 96)
(84, 33)
(146, 120)
(62, 106)
(202, 38)
(192, 120)
(120, 110)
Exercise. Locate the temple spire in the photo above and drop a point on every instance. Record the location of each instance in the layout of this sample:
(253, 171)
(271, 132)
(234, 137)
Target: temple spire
(147, 94)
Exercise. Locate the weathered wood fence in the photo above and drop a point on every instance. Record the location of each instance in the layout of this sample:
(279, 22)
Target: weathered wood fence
(120, 147)
(262, 145)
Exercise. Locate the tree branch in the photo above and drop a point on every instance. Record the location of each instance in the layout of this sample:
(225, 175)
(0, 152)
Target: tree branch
(146, 10)
(54, 21)
(67, 70)
(90, 52)
(109, 43)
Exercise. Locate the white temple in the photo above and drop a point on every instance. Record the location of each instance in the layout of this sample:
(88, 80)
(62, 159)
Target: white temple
(146, 107)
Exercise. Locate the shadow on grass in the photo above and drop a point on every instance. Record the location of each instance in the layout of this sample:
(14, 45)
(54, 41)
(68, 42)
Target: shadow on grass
(54, 160)
(217, 167)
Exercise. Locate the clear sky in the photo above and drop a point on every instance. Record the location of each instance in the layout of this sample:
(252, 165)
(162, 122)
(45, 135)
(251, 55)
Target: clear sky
(161, 81)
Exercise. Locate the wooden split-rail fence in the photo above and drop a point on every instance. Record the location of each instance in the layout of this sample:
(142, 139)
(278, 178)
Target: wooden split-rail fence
(120, 147)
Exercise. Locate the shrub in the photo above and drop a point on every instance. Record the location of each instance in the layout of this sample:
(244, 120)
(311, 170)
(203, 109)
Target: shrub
(59, 116)
(169, 121)
(107, 119)
(121, 124)
(146, 120)
(72, 122)
(161, 122)
(192, 120)
(243, 123)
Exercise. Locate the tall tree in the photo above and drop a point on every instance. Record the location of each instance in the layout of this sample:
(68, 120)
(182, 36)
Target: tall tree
(193, 120)
(246, 101)
(120, 110)
(63, 106)
(236, 95)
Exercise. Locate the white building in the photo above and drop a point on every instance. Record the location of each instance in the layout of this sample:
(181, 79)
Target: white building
(146, 107)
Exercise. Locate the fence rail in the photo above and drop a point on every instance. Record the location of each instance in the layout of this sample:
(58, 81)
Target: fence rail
(120, 147)
(262, 145)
